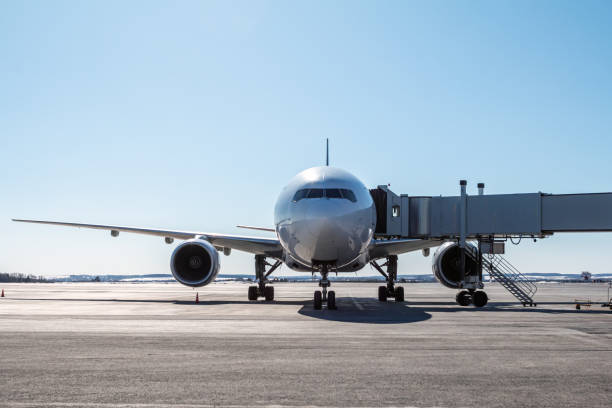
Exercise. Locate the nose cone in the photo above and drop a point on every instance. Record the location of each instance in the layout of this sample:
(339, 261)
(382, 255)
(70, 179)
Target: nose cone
(326, 238)
(330, 233)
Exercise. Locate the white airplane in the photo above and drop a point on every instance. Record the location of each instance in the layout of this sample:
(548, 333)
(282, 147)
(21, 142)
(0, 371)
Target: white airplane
(325, 220)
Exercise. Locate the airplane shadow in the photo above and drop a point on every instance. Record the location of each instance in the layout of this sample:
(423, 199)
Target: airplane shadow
(354, 310)
(368, 310)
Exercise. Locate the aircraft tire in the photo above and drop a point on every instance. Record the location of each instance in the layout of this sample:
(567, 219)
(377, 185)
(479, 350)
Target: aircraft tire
(382, 293)
(399, 294)
(253, 293)
(269, 293)
(318, 300)
(331, 300)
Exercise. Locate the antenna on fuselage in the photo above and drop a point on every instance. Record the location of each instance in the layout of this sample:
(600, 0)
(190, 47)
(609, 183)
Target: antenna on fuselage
(327, 152)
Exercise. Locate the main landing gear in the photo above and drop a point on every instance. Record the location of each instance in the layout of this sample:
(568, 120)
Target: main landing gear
(323, 295)
(390, 290)
(478, 297)
(263, 290)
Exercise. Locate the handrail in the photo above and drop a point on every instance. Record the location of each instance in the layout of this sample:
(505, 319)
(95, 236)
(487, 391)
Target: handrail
(506, 274)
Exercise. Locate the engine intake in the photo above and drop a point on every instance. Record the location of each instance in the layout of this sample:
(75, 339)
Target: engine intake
(195, 263)
(447, 265)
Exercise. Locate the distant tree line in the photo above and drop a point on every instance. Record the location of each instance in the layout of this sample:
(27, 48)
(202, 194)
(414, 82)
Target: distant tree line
(20, 277)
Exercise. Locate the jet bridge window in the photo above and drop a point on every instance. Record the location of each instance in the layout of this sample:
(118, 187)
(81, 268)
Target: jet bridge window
(395, 211)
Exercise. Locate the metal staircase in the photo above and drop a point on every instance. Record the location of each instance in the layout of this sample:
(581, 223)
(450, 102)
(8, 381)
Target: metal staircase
(507, 275)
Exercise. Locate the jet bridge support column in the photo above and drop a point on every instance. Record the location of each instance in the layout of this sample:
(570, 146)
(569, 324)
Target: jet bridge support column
(462, 227)
(481, 187)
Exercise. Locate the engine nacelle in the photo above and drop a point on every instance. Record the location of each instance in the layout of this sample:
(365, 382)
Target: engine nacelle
(195, 263)
(447, 265)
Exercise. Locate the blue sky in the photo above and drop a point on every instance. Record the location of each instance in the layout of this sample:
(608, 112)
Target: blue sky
(193, 115)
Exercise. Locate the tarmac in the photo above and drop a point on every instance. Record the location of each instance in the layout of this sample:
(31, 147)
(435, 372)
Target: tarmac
(150, 345)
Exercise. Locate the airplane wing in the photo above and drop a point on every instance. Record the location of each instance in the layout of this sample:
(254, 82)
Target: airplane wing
(384, 247)
(263, 246)
(256, 228)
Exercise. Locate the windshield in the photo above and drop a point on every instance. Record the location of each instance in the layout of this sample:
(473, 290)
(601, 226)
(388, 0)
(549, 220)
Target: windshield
(332, 193)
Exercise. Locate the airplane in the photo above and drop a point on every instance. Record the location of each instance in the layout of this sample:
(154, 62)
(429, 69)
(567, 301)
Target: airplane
(325, 220)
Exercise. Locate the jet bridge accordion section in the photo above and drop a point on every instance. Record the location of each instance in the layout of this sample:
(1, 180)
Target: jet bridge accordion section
(499, 215)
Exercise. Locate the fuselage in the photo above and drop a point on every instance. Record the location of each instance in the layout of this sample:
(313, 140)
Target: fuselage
(325, 216)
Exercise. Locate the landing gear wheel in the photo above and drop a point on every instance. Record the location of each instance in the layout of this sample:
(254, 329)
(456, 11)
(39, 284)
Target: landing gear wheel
(480, 298)
(382, 293)
(399, 294)
(463, 298)
(331, 300)
(253, 293)
(318, 300)
(269, 293)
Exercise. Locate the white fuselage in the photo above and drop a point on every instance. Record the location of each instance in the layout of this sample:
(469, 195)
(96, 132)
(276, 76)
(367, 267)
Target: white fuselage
(325, 215)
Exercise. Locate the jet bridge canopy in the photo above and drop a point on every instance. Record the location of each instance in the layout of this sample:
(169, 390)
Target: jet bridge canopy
(499, 215)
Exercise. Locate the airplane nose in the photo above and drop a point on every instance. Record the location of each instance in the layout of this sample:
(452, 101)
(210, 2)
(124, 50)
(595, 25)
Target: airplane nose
(327, 231)
(329, 227)
(326, 237)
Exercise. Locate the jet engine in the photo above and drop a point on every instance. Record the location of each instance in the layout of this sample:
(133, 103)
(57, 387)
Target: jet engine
(195, 263)
(447, 265)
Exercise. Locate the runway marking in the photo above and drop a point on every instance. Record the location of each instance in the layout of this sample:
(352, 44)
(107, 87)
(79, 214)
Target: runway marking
(357, 305)
(123, 405)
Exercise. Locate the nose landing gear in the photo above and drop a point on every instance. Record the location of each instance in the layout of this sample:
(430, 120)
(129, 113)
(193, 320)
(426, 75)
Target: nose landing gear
(263, 290)
(390, 276)
(323, 295)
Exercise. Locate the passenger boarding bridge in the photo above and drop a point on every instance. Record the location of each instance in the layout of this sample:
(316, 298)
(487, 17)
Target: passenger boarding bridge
(489, 220)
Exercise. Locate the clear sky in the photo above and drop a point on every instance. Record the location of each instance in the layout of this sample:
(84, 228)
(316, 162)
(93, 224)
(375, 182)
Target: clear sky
(193, 115)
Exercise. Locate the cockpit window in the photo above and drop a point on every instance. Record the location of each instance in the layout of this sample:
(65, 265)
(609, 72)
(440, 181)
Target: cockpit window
(348, 194)
(333, 193)
(300, 194)
(315, 193)
(340, 193)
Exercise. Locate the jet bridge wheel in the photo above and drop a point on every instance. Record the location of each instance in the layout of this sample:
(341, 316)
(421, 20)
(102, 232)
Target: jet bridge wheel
(318, 300)
(463, 298)
(480, 298)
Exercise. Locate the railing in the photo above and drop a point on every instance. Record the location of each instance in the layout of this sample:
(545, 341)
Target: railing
(507, 275)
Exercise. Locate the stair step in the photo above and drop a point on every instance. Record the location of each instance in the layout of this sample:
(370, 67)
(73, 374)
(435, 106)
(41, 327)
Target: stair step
(507, 275)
